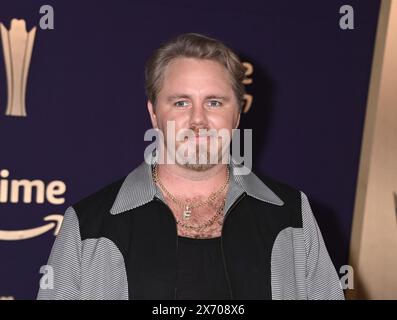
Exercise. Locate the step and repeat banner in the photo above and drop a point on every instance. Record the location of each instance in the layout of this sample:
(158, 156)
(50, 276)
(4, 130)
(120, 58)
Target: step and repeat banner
(73, 109)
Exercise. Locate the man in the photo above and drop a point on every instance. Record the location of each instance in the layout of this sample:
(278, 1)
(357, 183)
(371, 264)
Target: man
(184, 224)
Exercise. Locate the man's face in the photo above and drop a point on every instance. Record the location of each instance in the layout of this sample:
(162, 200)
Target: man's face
(196, 94)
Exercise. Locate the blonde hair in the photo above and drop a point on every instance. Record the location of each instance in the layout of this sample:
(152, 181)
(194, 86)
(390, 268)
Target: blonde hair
(193, 45)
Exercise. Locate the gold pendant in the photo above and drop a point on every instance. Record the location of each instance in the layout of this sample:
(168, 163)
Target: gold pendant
(186, 213)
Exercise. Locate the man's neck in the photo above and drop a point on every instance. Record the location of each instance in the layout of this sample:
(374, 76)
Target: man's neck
(186, 181)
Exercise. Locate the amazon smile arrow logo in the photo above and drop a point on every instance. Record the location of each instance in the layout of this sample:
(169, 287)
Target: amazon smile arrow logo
(55, 221)
(31, 191)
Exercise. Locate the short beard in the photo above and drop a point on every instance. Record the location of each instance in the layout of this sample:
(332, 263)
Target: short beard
(200, 166)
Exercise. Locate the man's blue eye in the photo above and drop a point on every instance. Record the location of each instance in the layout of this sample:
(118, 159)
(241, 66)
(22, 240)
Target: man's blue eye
(214, 103)
(181, 103)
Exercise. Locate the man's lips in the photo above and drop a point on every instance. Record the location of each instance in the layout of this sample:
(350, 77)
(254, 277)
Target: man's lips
(198, 137)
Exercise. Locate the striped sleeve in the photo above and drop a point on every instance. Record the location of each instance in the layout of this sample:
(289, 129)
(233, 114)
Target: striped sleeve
(65, 262)
(321, 277)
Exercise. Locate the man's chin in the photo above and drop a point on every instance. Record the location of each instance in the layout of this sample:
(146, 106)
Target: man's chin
(199, 163)
(198, 167)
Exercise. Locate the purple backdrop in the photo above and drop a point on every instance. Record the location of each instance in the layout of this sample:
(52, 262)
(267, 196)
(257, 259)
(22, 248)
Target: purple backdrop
(87, 116)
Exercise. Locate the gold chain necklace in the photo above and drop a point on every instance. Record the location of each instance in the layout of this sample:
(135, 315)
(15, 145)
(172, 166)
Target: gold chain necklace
(209, 222)
(187, 208)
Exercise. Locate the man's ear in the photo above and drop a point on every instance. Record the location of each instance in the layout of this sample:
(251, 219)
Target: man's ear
(152, 114)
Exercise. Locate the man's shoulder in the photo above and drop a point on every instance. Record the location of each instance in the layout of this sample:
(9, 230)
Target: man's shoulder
(279, 185)
(124, 193)
(281, 202)
(100, 200)
(290, 195)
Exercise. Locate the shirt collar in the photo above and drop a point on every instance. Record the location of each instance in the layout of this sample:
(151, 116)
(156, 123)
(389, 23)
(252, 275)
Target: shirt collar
(139, 188)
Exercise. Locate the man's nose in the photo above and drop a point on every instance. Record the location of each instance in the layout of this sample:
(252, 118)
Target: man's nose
(198, 116)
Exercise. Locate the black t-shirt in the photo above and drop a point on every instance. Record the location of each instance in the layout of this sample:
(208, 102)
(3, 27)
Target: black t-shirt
(201, 272)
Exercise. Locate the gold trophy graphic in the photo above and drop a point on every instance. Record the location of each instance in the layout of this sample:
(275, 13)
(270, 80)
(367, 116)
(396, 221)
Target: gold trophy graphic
(17, 49)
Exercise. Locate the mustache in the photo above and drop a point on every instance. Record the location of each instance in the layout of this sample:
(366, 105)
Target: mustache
(201, 132)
